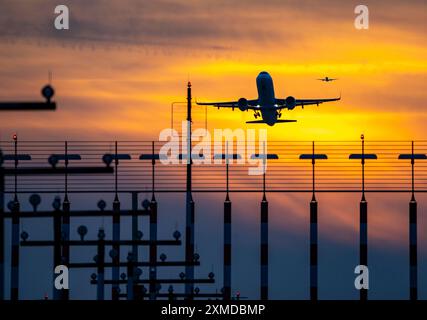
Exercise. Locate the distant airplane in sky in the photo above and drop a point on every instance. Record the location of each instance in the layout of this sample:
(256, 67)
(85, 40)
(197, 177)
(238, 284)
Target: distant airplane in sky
(327, 79)
(267, 106)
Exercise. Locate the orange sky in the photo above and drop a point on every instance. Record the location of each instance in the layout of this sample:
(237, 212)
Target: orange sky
(122, 63)
(119, 67)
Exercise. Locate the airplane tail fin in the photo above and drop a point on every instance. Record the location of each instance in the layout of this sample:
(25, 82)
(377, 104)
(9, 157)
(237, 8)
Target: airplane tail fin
(278, 121)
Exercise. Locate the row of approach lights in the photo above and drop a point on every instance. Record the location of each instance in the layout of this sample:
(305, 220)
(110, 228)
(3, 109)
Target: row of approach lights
(35, 201)
(82, 230)
(108, 158)
(138, 273)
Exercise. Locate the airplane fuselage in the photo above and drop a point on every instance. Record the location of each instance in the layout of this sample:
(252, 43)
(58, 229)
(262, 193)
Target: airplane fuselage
(267, 106)
(266, 98)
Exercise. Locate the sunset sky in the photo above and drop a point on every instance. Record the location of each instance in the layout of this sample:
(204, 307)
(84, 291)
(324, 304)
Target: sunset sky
(122, 63)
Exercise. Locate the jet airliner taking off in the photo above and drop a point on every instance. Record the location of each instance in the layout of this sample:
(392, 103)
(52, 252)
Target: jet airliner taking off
(267, 106)
(327, 79)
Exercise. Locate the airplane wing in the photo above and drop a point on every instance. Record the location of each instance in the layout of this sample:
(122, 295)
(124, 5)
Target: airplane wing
(282, 104)
(251, 104)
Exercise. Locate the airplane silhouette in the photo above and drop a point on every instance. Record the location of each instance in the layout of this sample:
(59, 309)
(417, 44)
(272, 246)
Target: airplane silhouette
(267, 106)
(327, 79)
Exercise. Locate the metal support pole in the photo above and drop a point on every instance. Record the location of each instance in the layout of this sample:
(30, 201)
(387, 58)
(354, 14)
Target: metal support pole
(66, 224)
(264, 249)
(100, 265)
(170, 294)
(189, 229)
(66, 237)
(313, 224)
(313, 237)
(363, 224)
(413, 268)
(153, 230)
(227, 249)
(313, 250)
(135, 224)
(116, 249)
(2, 230)
(57, 226)
(116, 235)
(227, 234)
(363, 246)
(153, 249)
(14, 288)
(135, 254)
(413, 263)
(264, 238)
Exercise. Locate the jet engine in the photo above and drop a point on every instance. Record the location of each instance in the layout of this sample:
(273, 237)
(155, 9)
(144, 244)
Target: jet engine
(243, 104)
(290, 102)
